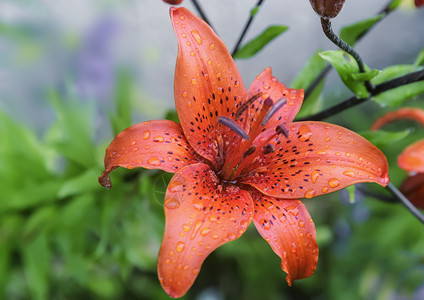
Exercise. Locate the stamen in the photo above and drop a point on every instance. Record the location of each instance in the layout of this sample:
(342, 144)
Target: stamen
(249, 151)
(279, 104)
(246, 104)
(269, 149)
(282, 130)
(230, 123)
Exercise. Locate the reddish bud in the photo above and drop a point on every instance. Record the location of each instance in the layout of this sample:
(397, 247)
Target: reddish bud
(327, 8)
(419, 3)
(173, 2)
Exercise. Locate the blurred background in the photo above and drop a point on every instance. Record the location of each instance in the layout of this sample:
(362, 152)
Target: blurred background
(75, 73)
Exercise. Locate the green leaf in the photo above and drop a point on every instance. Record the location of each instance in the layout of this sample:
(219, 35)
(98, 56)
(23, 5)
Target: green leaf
(309, 72)
(381, 138)
(346, 66)
(398, 95)
(392, 72)
(365, 76)
(351, 33)
(420, 59)
(256, 45)
(351, 193)
(83, 183)
(254, 11)
(36, 257)
(395, 4)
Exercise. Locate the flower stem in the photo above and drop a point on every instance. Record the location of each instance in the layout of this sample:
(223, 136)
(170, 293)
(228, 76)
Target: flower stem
(353, 101)
(384, 12)
(328, 31)
(246, 27)
(201, 13)
(401, 197)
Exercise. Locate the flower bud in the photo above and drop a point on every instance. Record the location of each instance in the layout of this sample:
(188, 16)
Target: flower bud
(327, 8)
(173, 2)
(419, 3)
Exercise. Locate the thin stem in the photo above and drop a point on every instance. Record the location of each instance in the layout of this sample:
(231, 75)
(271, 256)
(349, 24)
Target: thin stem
(328, 31)
(202, 13)
(384, 12)
(246, 27)
(353, 101)
(395, 192)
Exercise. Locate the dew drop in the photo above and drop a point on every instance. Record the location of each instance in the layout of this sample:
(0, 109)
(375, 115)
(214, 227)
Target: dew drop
(192, 53)
(146, 134)
(197, 37)
(205, 231)
(185, 268)
(182, 18)
(212, 46)
(185, 94)
(310, 193)
(180, 247)
(304, 133)
(158, 139)
(186, 227)
(194, 81)
(265, 224)
(175, 186)
(301, 223)
(314, 176)
(183, 35)
(349, 173)
(196, 229)
(172, 203)
(231, 236)
(215, 236)
(324, 189)
(334, 182)
(154, 161)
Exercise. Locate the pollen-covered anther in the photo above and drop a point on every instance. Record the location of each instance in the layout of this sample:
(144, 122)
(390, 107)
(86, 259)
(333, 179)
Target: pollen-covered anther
(269, 148)
(246, 104)
(249, 151)
(230, 123)
(277, 105)
(280, 129)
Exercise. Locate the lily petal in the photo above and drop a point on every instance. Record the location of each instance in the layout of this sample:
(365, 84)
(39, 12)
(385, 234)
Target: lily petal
(207, 84)
(287, 226)
(201, 215)
(412, 158)
(416, 114)
(269, 86)
(156, 144)
(413, 189)
(316, 158)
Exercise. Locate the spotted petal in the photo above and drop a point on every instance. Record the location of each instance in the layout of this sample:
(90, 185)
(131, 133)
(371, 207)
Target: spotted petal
(152, 145)
(316, 158)
(287, 226)
(269, 86)
(412, 158)
(201, 214)
(207, 84)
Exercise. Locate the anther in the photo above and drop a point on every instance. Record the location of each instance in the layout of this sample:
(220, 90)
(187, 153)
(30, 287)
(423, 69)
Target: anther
(249, 151)
(269, 149)
(280, 129)
(277, 105)
(246, 104)
(230, 123)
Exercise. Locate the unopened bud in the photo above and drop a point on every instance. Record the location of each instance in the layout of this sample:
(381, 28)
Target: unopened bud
(327, 8)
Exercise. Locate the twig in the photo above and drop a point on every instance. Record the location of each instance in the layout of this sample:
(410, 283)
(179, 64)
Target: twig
(395, 192)
(385, 12)
(202, 13)
(328, 31)
(246, 27)
(353, 101)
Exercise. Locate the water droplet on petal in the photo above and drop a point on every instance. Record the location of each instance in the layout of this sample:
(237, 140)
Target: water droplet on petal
(186, 227)
(158, 139)
(154, 161)
(212, 46)
(146, 134)
(314, 176)
(172, 203)
(193, 81)
(197, 37)
(304, 133)
(324, 189)
(310, 193)
(334, 182)
(196, 229)
(185, 94)
(180, 247)
(349, 173)
(205, 231)
(265, 224)
(175, 186)
(301, 223)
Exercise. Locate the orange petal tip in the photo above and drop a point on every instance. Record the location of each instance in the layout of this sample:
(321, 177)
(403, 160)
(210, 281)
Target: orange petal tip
(104, 180)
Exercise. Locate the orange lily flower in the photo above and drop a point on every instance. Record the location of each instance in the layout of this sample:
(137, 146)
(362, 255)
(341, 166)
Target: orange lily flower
(237, 158)
(412, 158)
